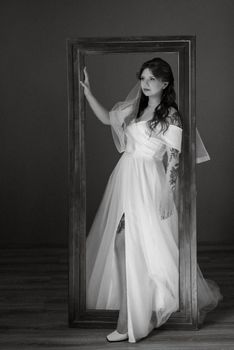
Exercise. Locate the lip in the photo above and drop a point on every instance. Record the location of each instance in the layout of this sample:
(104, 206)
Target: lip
(146, 89)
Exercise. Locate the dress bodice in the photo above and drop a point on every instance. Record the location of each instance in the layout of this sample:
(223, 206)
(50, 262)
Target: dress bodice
(135, 138)
(140, 143)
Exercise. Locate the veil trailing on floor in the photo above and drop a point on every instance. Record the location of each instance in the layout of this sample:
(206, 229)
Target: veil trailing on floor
(126, 111)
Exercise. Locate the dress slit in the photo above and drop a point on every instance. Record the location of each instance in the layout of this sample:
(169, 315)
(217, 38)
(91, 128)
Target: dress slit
(121, 224)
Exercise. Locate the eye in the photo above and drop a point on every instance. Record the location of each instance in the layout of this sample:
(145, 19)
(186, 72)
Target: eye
(141, 78)
(152, 78)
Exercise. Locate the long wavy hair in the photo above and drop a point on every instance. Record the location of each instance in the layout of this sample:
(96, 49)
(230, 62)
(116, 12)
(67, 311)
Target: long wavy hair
(161, 70)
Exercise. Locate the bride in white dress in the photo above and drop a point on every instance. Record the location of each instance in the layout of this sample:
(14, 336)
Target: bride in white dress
(132, 250)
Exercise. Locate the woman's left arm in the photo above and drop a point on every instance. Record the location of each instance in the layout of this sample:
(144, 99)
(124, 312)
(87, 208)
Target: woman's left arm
(167, 200)
(172, 169)
(173, 156)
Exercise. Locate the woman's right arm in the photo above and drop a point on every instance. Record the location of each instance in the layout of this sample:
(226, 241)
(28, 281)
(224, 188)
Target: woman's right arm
(101, 112)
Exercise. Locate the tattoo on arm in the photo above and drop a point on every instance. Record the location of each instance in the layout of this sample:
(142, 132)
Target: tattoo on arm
(175, 119)
(173, 154)
(172, 167)
(173, 175)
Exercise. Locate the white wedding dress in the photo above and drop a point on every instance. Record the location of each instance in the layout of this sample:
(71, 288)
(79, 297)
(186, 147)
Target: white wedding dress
(151, 244)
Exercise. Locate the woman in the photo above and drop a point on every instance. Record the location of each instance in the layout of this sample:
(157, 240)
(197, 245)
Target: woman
(132, 247)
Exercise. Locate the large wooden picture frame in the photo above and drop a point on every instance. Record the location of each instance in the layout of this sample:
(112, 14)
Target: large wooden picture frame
(77, 50)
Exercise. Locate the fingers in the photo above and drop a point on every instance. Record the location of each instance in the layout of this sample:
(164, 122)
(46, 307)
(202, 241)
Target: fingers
(165, 214)
(84, 85)
(86, 75)
(162, 211)
(81, 82)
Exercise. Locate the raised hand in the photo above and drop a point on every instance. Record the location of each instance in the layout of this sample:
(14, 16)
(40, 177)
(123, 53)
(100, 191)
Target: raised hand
(100, 111)
(86, 84)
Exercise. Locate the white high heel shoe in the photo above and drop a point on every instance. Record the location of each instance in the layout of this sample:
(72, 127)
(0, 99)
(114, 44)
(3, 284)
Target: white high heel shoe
(116, 336)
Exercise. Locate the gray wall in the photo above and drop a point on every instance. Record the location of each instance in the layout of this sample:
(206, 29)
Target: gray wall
(34, 157)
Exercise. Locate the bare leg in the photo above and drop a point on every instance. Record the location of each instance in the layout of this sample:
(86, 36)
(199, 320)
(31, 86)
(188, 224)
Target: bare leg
(120, 252)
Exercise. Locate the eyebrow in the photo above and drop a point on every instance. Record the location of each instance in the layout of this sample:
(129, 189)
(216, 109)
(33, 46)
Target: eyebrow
(142, 75)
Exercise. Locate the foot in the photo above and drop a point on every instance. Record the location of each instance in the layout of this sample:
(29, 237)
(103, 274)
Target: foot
(116, 336)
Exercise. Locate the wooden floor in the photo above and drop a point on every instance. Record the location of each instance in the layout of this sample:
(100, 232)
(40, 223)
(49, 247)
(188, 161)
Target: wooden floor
(33, 302)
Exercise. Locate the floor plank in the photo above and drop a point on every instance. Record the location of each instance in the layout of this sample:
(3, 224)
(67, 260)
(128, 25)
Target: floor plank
(34, 313)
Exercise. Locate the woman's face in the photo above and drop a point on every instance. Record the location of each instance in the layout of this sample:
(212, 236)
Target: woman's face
(151, 85)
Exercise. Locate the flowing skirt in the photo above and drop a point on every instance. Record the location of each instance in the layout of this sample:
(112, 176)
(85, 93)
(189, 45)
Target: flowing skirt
(151, 249)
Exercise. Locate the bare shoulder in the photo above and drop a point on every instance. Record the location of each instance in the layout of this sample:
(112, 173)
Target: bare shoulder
(174, 117)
